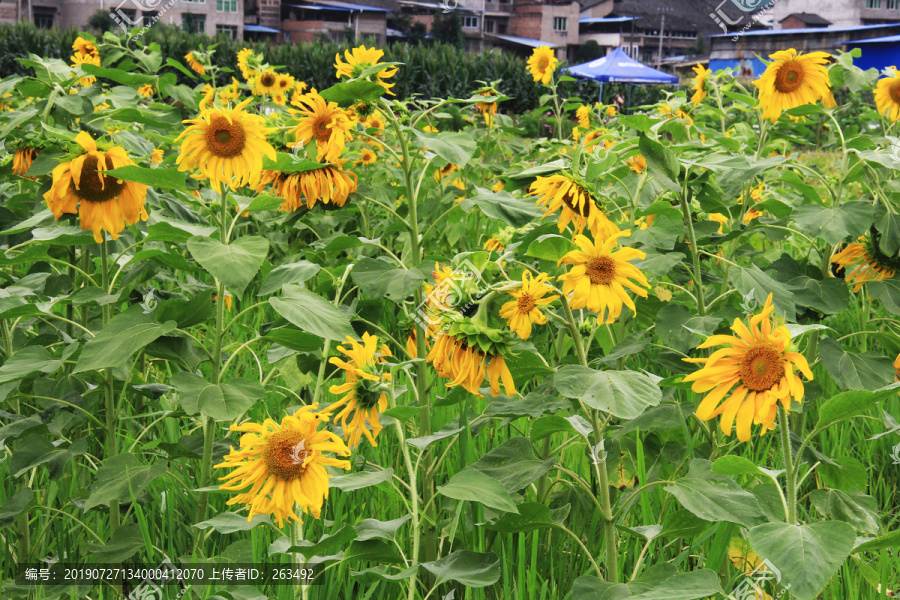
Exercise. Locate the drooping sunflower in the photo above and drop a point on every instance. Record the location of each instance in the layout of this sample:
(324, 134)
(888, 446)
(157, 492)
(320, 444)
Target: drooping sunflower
(368, 157)
(542, 64)
(364, 386)
(265, 83)
(23, 160)
(699, 83)
(488, 109)
(85, 47)
(759, 361)
(226, 145)
(465, 364)
(869, 263)
(526, 308)
(194, 63)
(324, 122)
(583, 114)
(362, 58)
(330, 185)
(599, 276)
(575, 203)
(79, 59)
(793, 79)
(243, 58)
(102, 203)
(283, 465)
(637, 163)
(887, 94)
(146, 90)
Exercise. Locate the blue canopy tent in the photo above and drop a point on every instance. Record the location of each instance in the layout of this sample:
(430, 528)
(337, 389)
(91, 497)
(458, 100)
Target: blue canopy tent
(618, 67)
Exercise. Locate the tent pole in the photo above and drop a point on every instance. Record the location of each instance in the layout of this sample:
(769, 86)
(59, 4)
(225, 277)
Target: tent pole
(601, 92)
(630, 87)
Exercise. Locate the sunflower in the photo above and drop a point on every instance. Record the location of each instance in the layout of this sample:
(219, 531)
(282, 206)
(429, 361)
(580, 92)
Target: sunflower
(85, 47)
(359, 60)
(637, 163)
(793, 79)
(493, 244)
(194, 64)
(467, 365)
(683, 115)
(324, 122)
(243, 58)
(718, 218)
(610, 111)
(284, 465)
(583, 114)
(444, 171)
(525, 309)
(79, 59)
(23, 160)
(542, 64)
(102, 202)
(871, 264)
(488, 109)
(265, 83)
(887, 94)
(599, 276)
(699, 83)
(758, 359)
(330, 185)
(299, 88)
(146, 90)
(591, 139)
(368, 157)
(576, 204)
(226, 146)
(375, 121)
(230, 93)
(284, 84)
(156, 157)
(498, 187)
(364, 387)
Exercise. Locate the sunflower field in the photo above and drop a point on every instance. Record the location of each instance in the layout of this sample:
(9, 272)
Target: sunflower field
(262, 340)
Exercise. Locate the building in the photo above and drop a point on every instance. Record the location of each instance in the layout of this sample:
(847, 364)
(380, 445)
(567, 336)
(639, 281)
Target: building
(803, 20)
(312, 20)
(842, 13)
(204, 16)
(726, 52)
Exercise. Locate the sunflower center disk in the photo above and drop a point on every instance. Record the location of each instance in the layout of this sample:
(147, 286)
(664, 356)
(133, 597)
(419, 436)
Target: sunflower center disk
(96, 187)
(542, 64)
(601, 269)
(789, 77)
(526, 303)
(225, 138)
(267, 80)
(761, 368)
(894, 91)
(577, 200)
(285, 454)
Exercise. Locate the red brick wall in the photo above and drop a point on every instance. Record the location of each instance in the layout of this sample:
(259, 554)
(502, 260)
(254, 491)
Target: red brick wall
(525, 21)
(792, 22)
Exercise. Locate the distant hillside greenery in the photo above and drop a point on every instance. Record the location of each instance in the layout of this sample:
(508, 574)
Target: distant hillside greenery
(429, 71)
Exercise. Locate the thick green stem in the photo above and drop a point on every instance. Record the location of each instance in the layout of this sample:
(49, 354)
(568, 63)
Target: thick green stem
(790, 473)
(695, 254)
(415, 522)
(421, 367)
(209, 425)
(111, 417)
(599, 459)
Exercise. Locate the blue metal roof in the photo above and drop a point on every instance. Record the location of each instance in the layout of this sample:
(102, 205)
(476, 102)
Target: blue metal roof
(341, 6)
(607, 19)
(260, 29)
(807, 30)
(878, 40)
(531, 43)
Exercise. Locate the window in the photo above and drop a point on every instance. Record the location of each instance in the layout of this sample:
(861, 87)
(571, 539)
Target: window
(488, 26)
(470, 22)
(873, 3)
(226, 5)
(150, 17)
(229, 31)
(559, 23)
(892, 4)
(196, 1)
(43, 16)
(191, 23)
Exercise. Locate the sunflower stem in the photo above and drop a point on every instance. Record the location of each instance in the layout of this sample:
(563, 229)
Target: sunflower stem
(209, 425)
(413, 496)
(111, 448)
(599, 459)
(421, 366)
(695, 254)
(784, 426)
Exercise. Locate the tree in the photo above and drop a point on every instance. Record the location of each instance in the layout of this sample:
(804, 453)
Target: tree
(100, 21)
(588, 51)
(447, 29)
